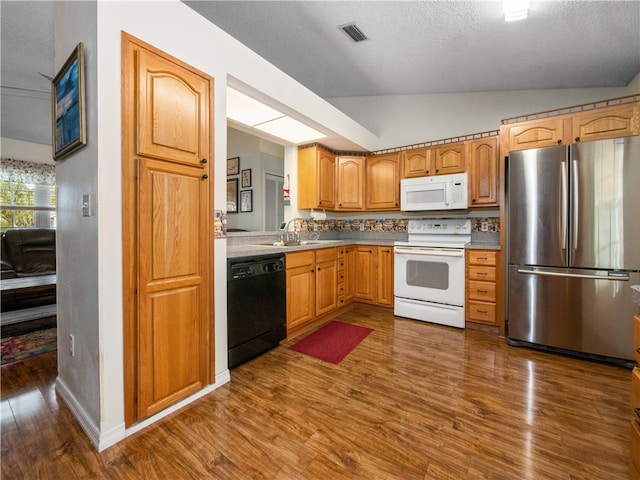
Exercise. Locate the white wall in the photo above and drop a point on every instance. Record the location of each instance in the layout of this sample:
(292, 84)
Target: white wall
(25, 151)
(407, 119)
(78, 238)
(90, 248)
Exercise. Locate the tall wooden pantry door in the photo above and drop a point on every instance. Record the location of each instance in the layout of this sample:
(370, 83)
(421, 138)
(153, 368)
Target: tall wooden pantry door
(167, 203)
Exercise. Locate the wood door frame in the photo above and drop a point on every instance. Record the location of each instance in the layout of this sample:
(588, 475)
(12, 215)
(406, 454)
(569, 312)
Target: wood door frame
(130, 219)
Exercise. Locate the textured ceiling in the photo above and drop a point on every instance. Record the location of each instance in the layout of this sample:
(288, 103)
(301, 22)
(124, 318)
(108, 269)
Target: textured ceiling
(438, 46)
(413, 47)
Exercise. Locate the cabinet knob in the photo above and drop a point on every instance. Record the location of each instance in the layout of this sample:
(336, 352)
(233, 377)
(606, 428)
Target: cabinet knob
(437, 170)
(204, 160)
(559, 141)
(205, 176)
(577, 139)
(473, 200)
(427, 171)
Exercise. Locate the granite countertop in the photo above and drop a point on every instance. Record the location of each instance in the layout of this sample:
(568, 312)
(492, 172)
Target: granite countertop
(250, 250)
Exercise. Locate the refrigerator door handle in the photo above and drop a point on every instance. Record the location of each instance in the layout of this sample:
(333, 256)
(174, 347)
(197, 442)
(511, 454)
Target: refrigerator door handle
(618, 276)
(574, 232)
(564, 206)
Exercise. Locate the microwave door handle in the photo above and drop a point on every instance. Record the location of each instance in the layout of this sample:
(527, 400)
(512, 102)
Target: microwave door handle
(447, 194)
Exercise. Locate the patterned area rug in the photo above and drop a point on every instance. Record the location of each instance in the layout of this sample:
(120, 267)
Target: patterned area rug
(22, 346)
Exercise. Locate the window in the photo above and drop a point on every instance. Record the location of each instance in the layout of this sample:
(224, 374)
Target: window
(27, 194)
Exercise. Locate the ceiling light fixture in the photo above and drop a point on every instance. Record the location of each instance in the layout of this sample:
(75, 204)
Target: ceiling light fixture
(253, 113)
(353, 31)
(515, 9)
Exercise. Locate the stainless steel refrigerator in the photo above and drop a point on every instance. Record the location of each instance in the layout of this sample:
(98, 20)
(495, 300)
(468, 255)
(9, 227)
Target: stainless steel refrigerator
(573, 247)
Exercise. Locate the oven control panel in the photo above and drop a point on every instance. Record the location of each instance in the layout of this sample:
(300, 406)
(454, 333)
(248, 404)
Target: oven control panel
(444, 226)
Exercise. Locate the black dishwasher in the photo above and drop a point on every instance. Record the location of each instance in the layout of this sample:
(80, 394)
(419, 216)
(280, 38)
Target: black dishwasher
(256, 306)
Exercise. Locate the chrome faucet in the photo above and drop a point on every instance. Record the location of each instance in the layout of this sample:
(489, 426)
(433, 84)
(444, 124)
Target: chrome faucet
(285, 236)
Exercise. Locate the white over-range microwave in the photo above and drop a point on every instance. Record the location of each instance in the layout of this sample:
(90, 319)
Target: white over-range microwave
(438, 192)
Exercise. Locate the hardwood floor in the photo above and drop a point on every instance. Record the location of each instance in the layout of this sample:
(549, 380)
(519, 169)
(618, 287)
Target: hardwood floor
(412, 401)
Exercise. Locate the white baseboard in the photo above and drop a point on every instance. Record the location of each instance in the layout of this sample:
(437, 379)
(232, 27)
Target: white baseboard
(103, 440)
(100, 440)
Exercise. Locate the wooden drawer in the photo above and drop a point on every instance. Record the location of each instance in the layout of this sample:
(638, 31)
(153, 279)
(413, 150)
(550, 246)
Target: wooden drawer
(325, 255)
(485, 291)
(482, 273)
(482, 257)
(634, 446)
(636, 338)
(482, 312)
(299, 259)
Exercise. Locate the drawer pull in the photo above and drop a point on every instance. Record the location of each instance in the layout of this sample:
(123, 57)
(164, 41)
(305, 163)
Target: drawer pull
(484, 274)
(638, 350)
(482, 291)
(483, 311)
(483, 258)
(637, 410)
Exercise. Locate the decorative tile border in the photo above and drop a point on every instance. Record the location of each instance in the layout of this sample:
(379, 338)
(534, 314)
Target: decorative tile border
(397, 225)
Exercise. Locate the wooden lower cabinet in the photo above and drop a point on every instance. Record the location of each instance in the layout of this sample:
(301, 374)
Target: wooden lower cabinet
(634, 438)
(311, 286)
(374, 278)
(481, 286)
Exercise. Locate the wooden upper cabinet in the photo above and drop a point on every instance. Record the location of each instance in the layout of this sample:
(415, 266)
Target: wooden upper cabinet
(450, 158)
(383, 182)
(608, 122)
(350, 181)
(316, 178)
(417, 162)
(483, 172)
(536, 134)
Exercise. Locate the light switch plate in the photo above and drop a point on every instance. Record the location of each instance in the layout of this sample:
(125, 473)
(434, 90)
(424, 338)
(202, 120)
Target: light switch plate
(86, 205)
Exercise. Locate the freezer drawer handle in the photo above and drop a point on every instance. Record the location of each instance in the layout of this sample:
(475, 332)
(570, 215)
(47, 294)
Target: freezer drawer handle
(617, 276)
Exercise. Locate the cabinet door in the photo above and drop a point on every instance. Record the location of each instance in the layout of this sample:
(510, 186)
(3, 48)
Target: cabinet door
(383, 182)
(417, 163)
(536, 134)
(365, 274)
(301, 288)
(483, 172)
(450, 158)
(326, 179)
(350, 180)
(316, 178)
(385, 276)
(326, 279)
(608, 122)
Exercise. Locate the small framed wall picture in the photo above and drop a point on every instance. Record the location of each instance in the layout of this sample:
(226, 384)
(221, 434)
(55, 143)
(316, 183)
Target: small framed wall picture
(233, 166)
(232, 195)
(68, 106)
(246, 200)
(246, 178)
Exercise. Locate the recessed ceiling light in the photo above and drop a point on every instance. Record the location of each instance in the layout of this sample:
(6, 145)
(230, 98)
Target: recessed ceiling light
(247, 110)
(253, 113)
(515, 9)
(290, 129)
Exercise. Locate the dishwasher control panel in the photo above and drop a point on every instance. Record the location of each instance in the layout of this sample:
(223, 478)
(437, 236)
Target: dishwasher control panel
(243, 268)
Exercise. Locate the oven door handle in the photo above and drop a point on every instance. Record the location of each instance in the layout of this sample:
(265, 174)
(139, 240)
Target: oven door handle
(431, 252)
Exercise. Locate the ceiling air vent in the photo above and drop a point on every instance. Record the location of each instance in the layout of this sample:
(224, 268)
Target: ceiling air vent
(353, 31)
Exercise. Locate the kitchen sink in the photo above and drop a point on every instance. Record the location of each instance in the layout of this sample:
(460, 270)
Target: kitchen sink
(292, 243)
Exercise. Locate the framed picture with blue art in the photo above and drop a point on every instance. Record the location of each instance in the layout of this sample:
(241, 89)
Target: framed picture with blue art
(68, 106)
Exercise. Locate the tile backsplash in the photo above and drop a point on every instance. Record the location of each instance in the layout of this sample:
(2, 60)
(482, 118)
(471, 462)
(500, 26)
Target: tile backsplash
(397, 225)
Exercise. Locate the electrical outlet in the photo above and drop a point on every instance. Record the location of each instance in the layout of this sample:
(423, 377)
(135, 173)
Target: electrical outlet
(315, 227)
(72, 345)
(362, 226)
(484, 227)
